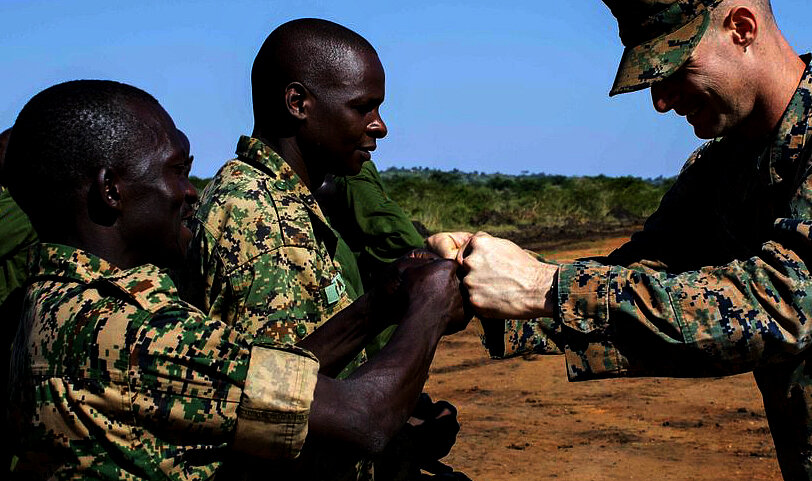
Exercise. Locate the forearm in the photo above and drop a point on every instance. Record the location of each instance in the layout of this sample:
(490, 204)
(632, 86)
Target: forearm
(367, 409)
(338, 340)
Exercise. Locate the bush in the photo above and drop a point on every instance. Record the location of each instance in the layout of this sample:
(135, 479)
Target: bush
(501, 203)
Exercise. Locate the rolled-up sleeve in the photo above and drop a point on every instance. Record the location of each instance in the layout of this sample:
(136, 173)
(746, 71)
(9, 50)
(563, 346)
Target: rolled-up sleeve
(275, 406)
(201, 382)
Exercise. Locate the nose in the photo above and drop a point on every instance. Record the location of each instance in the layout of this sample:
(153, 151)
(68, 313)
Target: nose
(663, 96)
(377, 128)
(190, 192)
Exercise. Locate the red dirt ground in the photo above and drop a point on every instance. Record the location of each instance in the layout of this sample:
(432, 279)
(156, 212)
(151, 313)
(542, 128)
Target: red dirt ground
(522, 420)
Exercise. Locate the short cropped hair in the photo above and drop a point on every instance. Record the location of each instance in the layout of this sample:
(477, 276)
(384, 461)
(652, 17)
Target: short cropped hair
(307, 50)
(764, 7)
(65, 134)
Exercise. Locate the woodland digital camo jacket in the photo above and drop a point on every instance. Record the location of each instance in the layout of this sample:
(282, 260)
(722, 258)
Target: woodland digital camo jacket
(262, 249)
(262, 260)
(718, 282)
(113, 377)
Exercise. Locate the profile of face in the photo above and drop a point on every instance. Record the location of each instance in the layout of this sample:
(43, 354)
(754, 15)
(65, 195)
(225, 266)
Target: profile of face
(157, 195)
(711, 89)
(343, 121)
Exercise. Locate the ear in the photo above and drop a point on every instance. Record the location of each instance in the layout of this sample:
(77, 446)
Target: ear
(742, 25)
(108, 185)
(297, 100)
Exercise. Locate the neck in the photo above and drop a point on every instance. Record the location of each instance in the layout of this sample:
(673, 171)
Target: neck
(288, 148)
(782, 70)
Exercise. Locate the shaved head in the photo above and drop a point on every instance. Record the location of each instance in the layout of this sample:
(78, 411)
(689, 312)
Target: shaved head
(69, 131)
(317, 53)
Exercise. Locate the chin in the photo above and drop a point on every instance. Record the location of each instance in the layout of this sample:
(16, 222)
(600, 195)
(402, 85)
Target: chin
(353, 167)
(707, 133)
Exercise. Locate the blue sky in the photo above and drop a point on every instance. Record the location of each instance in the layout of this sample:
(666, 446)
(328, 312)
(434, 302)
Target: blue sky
(506, 86)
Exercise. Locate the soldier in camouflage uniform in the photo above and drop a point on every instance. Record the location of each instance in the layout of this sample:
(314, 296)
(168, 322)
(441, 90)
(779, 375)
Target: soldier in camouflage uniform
(263, 256)
(113, 376)
(718, 282)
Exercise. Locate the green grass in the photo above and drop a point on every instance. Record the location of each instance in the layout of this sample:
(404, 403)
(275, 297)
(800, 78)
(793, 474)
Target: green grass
(501, 204)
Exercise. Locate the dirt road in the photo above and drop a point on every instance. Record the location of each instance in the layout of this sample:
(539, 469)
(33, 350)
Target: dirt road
(522, 420)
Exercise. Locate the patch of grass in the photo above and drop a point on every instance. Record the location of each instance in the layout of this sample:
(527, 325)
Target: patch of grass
(501, 203)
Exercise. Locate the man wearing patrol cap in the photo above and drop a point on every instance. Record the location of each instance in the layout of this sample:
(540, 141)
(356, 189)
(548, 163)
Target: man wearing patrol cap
(718, 282)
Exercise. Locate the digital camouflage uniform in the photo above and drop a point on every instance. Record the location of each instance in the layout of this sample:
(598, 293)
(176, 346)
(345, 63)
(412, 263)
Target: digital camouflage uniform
(263, 260)
(718, 282)
(114, 377)
(262, 248)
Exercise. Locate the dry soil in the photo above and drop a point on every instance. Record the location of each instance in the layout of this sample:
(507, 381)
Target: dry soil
(522, 420)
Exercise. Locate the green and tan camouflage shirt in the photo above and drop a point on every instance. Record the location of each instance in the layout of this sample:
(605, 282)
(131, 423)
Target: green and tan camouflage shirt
(261, 252)
(262, 259)
(114, 377)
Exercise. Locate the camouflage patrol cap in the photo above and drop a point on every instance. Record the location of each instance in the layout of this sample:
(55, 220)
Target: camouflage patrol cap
(659, 36)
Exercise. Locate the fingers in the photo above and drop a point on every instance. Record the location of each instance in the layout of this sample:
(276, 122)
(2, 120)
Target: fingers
(422, 254)
(467, 248)
(446, 244)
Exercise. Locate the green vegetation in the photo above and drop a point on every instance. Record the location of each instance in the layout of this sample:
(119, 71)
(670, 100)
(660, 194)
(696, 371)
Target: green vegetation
(521, 207)
(198, 182)
(503, 204)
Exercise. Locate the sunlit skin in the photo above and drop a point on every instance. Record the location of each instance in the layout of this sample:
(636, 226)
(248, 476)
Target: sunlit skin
(344, 120)
(707, 91)
(731, 84)
(339, 122)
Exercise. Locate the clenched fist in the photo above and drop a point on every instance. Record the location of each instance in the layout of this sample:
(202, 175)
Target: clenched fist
(447, 244)
(504, 281)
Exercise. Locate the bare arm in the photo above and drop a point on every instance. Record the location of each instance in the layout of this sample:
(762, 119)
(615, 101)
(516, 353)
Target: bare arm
(504, 281)
(338, 340)
(367, 409)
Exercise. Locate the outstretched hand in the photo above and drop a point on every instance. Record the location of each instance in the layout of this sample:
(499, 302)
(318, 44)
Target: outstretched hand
(504, 281)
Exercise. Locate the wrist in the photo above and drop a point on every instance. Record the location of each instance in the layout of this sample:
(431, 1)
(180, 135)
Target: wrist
(545, 298)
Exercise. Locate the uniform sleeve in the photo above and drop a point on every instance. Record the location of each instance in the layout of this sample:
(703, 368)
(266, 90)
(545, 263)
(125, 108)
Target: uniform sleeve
(514, 337)
(275, 407)
(383, 229)
(726, 319)
(198, 378)
(284, 294)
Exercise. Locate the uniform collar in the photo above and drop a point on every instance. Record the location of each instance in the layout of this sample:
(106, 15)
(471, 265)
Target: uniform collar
(148, 285)
(793, 130)
(65, 261)
(271, 164)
